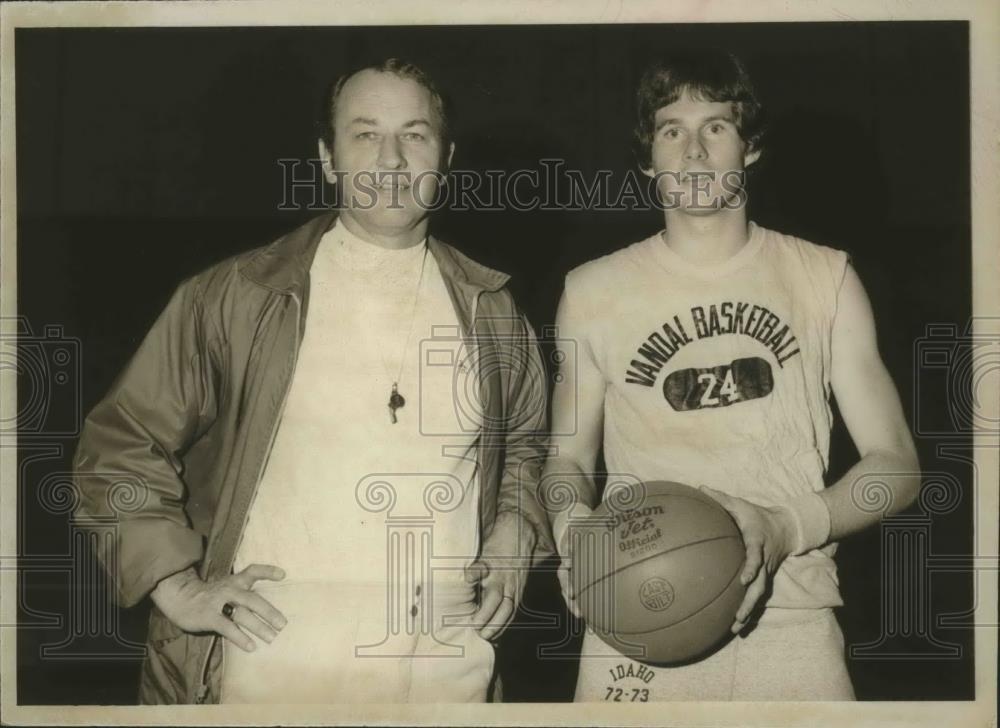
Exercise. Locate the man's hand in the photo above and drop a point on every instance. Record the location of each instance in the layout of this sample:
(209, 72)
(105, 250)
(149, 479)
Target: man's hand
(196, 606)
(500, 571)
(769, 537)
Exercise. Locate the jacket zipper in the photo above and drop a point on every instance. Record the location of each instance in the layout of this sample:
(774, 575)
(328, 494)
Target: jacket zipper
(472, 319)
(478, 369)
(203, 687)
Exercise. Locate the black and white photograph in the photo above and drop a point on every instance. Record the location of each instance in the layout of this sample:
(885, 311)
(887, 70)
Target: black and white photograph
(599, 363)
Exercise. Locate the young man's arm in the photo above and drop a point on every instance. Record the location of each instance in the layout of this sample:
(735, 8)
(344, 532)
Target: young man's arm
(568, 488)
(871, 409)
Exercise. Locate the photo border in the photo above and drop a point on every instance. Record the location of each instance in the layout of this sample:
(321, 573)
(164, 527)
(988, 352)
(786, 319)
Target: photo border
(984, 19)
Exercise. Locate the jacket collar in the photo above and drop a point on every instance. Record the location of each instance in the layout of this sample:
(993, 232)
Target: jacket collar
(283, 266)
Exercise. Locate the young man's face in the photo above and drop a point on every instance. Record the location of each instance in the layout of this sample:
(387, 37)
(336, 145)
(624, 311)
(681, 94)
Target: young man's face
(387, 144)
(698, 155)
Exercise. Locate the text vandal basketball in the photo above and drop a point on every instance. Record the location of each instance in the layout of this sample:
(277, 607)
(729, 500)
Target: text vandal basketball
(716, 319)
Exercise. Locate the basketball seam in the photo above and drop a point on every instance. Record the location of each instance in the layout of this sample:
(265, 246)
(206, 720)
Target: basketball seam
(652, 556)
(660, 553)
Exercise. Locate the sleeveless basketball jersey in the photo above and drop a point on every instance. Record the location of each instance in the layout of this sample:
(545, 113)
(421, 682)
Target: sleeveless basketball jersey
(718, 375)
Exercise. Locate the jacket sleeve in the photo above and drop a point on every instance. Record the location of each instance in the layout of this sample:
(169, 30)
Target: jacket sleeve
(526, 435)
(135, 438)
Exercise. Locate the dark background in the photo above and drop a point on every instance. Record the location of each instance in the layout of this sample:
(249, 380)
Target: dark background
(144, 155)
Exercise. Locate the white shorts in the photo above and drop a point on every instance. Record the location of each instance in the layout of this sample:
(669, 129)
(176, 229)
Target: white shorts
(791, 654)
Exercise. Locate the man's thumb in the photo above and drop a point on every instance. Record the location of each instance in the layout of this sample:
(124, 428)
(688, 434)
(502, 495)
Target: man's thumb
(476, 572)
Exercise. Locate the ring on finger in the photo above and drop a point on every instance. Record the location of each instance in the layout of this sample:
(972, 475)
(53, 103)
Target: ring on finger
(227, 610)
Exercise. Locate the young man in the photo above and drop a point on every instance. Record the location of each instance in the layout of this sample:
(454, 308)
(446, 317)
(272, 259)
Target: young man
(284, 457)
(706, 356)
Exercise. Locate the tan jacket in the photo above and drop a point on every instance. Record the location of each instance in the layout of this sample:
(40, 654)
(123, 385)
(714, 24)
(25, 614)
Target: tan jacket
(192, 419)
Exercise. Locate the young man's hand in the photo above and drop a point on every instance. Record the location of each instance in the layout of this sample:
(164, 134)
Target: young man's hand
(500, 571)
(196, 606)
(769, 536)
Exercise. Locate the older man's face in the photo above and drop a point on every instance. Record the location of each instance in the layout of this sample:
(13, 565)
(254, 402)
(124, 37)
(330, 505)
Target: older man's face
(387, 149)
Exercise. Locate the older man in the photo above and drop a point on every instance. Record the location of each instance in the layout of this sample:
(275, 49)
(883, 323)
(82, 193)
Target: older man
(321, 520)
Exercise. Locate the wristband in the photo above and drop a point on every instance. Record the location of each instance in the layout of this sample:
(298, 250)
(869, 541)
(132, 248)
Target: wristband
(812, 522)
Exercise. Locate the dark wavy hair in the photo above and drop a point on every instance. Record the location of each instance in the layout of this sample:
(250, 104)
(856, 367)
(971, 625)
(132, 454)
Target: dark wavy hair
(711, 75)
(398, 67)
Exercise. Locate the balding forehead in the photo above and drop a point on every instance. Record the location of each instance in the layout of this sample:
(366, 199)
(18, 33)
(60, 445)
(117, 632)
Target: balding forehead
(378, 96)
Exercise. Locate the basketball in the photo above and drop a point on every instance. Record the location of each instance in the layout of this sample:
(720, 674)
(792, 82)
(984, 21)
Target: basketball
(657, 571)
